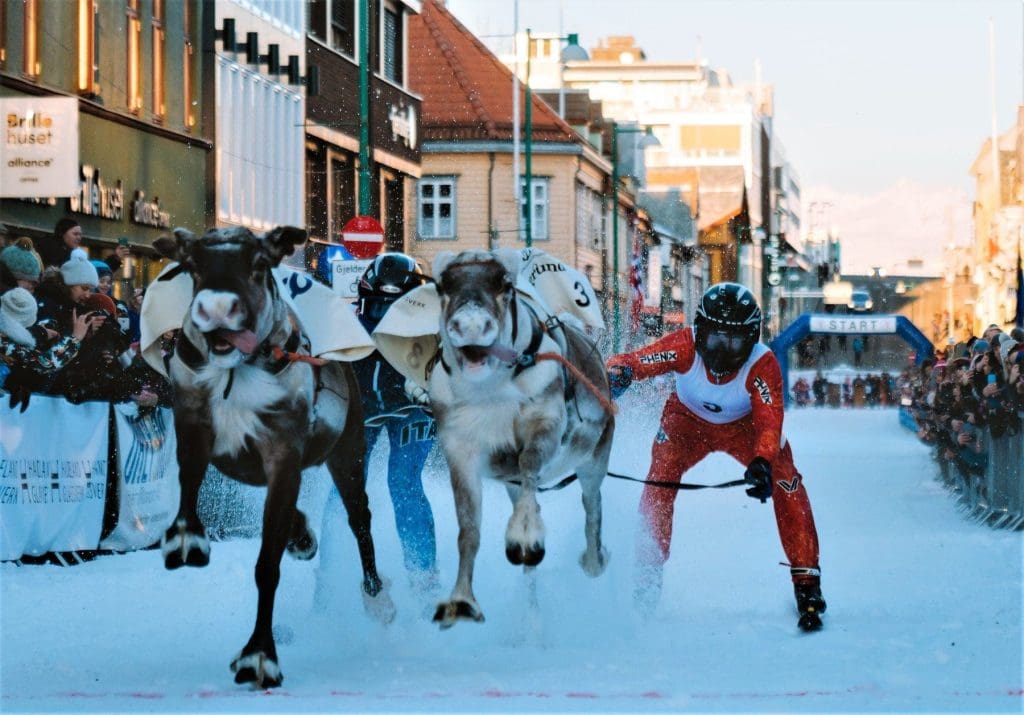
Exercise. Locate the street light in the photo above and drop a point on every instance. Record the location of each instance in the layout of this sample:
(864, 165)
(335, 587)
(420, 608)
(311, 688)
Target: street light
(648, 140)
(572, 51)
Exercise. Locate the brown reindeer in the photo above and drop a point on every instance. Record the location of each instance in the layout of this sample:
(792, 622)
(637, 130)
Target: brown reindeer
(249, 400)
(511, 398)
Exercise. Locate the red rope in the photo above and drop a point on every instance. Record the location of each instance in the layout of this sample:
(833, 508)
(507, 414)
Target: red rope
(296, 357)
(606, 403)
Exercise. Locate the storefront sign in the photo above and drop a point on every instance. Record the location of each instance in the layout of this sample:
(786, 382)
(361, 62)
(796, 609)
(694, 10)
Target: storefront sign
(39, 153)
(849, 324)
(95, 198)
(148, 213)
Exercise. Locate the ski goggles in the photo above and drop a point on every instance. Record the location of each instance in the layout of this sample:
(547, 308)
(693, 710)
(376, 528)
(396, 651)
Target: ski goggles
(721, 340)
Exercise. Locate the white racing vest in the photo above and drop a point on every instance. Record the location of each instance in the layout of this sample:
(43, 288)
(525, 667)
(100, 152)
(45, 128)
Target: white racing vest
(719, 404)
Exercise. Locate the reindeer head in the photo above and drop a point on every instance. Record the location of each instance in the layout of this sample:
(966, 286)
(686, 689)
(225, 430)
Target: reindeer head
(476, 289)
(233, 289)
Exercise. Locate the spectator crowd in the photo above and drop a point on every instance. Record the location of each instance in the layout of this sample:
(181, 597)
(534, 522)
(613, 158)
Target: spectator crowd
(973, 389)
(62, 331)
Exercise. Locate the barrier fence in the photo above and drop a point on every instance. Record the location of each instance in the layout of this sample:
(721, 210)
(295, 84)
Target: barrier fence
(995, 497)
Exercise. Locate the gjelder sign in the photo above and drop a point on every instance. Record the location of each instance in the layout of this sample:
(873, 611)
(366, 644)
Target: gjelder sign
(39, 152)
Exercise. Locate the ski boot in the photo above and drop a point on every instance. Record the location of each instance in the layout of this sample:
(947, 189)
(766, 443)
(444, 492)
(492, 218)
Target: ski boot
(810, 604)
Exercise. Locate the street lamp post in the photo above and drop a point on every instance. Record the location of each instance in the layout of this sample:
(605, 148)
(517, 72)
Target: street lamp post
(572, 51)
(648, 140)
(364, 107)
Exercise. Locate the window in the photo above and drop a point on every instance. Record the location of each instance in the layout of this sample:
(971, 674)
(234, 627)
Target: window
(391, 45)
(343, 195)
(333, 22)
(31, 67)
(436, 207)
(159, 47)
(88, 48)
(187, 53)
(134, 65)
(539, 226)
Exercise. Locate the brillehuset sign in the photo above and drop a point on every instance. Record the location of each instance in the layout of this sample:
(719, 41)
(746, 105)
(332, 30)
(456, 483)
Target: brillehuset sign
(39, 152)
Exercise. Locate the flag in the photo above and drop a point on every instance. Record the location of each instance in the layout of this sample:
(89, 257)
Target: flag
(637, 287)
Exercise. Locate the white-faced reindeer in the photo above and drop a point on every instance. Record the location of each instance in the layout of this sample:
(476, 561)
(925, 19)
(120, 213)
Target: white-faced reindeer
(510, 396)
(247, 401)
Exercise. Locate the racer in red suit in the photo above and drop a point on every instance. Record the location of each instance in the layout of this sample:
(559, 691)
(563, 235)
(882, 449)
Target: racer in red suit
(727, 398)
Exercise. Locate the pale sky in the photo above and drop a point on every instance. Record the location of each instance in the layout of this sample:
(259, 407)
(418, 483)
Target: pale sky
(866, 92)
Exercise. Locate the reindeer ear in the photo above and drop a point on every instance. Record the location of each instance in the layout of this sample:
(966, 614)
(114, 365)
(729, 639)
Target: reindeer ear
(511, 259)
(176, 248)
(281, 242)
(441, 262)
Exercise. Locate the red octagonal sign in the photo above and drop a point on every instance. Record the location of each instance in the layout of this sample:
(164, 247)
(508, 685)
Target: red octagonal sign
(363, 237)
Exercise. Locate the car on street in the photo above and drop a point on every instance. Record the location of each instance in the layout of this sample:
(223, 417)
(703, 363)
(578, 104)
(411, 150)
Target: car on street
(860, 301)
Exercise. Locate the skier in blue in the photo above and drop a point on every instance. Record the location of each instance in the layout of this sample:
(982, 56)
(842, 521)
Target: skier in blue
(389, 406)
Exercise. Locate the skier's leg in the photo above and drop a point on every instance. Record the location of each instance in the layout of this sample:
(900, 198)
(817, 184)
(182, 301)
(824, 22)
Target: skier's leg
(411, 441)
(333, 527)
(677, 447)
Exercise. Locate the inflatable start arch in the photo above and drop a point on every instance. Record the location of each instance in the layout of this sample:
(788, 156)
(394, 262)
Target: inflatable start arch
(827, 324)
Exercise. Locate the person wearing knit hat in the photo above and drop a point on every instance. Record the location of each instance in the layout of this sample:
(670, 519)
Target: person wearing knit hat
(17, 314)
(105, 277)
(23, 265)
(79, 271)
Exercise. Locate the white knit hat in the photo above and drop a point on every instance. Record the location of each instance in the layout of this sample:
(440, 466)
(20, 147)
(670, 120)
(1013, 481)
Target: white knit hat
(17, 313)
(79, 272)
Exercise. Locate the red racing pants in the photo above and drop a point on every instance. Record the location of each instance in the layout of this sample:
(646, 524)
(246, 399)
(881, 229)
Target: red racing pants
(683, 441)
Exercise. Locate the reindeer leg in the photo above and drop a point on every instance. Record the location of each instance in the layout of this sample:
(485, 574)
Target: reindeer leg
(346, 467)
(302, 544)
(185, 543)
(594, 559)
(462, 605)
(524, 537)
(257, 663)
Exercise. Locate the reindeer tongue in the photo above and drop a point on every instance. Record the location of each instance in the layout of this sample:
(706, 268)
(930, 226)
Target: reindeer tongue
(244, 340)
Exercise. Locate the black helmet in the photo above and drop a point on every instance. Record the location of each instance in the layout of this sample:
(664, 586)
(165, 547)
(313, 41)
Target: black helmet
(388, 277)
(728, 325)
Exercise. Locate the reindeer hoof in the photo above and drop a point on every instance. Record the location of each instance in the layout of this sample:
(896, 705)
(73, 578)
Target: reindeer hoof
(257, 668)
(379, 604)
(181, 547)
(449, 612)
(303, 548)
(593, 565)
(520, 555)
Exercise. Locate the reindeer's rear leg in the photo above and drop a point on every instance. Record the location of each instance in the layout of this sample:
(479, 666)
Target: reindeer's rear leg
(595, 559)
(302, 543)
(185, 543)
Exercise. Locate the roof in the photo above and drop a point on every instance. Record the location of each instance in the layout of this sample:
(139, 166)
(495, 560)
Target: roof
(466, 90)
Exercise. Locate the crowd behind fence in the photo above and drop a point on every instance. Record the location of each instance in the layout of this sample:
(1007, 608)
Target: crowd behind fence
(969, 407)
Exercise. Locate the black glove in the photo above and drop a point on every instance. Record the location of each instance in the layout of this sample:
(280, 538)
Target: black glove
(759, 474)
(620, 377)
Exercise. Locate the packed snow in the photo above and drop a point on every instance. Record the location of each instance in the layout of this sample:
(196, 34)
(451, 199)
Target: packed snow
(924, 608)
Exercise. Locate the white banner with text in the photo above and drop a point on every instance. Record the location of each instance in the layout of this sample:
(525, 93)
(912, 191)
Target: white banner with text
(53, 476)
(148, 487)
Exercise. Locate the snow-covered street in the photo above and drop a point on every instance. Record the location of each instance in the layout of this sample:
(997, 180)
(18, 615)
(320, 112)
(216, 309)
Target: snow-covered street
(924, 608)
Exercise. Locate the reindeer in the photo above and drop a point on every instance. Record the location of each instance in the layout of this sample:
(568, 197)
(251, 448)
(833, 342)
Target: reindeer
(249, 399)
(511, 398)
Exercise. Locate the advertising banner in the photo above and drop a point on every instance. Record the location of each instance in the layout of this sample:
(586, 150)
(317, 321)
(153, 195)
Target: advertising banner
(39, 153)
(148, 476)
(53, 476)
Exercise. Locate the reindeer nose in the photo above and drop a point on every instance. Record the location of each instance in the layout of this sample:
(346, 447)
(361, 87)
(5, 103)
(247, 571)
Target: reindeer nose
(234, 308)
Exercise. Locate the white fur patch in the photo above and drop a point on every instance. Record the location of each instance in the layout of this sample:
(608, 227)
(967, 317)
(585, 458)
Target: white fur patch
(237, 417)
(184, 542)
(265, 668)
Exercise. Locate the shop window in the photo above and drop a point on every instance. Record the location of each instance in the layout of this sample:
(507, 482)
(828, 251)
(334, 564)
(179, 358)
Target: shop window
(436, 207)
(188, 59)
(342, 192)
(88, 48)
(539, 226)
(391, 44)
(159, 48)
(31, 66)
(134, 60)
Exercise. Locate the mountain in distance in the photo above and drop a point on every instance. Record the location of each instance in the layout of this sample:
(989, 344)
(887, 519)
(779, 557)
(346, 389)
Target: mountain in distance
(905, 224)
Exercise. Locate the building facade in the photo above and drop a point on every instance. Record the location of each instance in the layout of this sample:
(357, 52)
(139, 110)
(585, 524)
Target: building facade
(135, 68)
